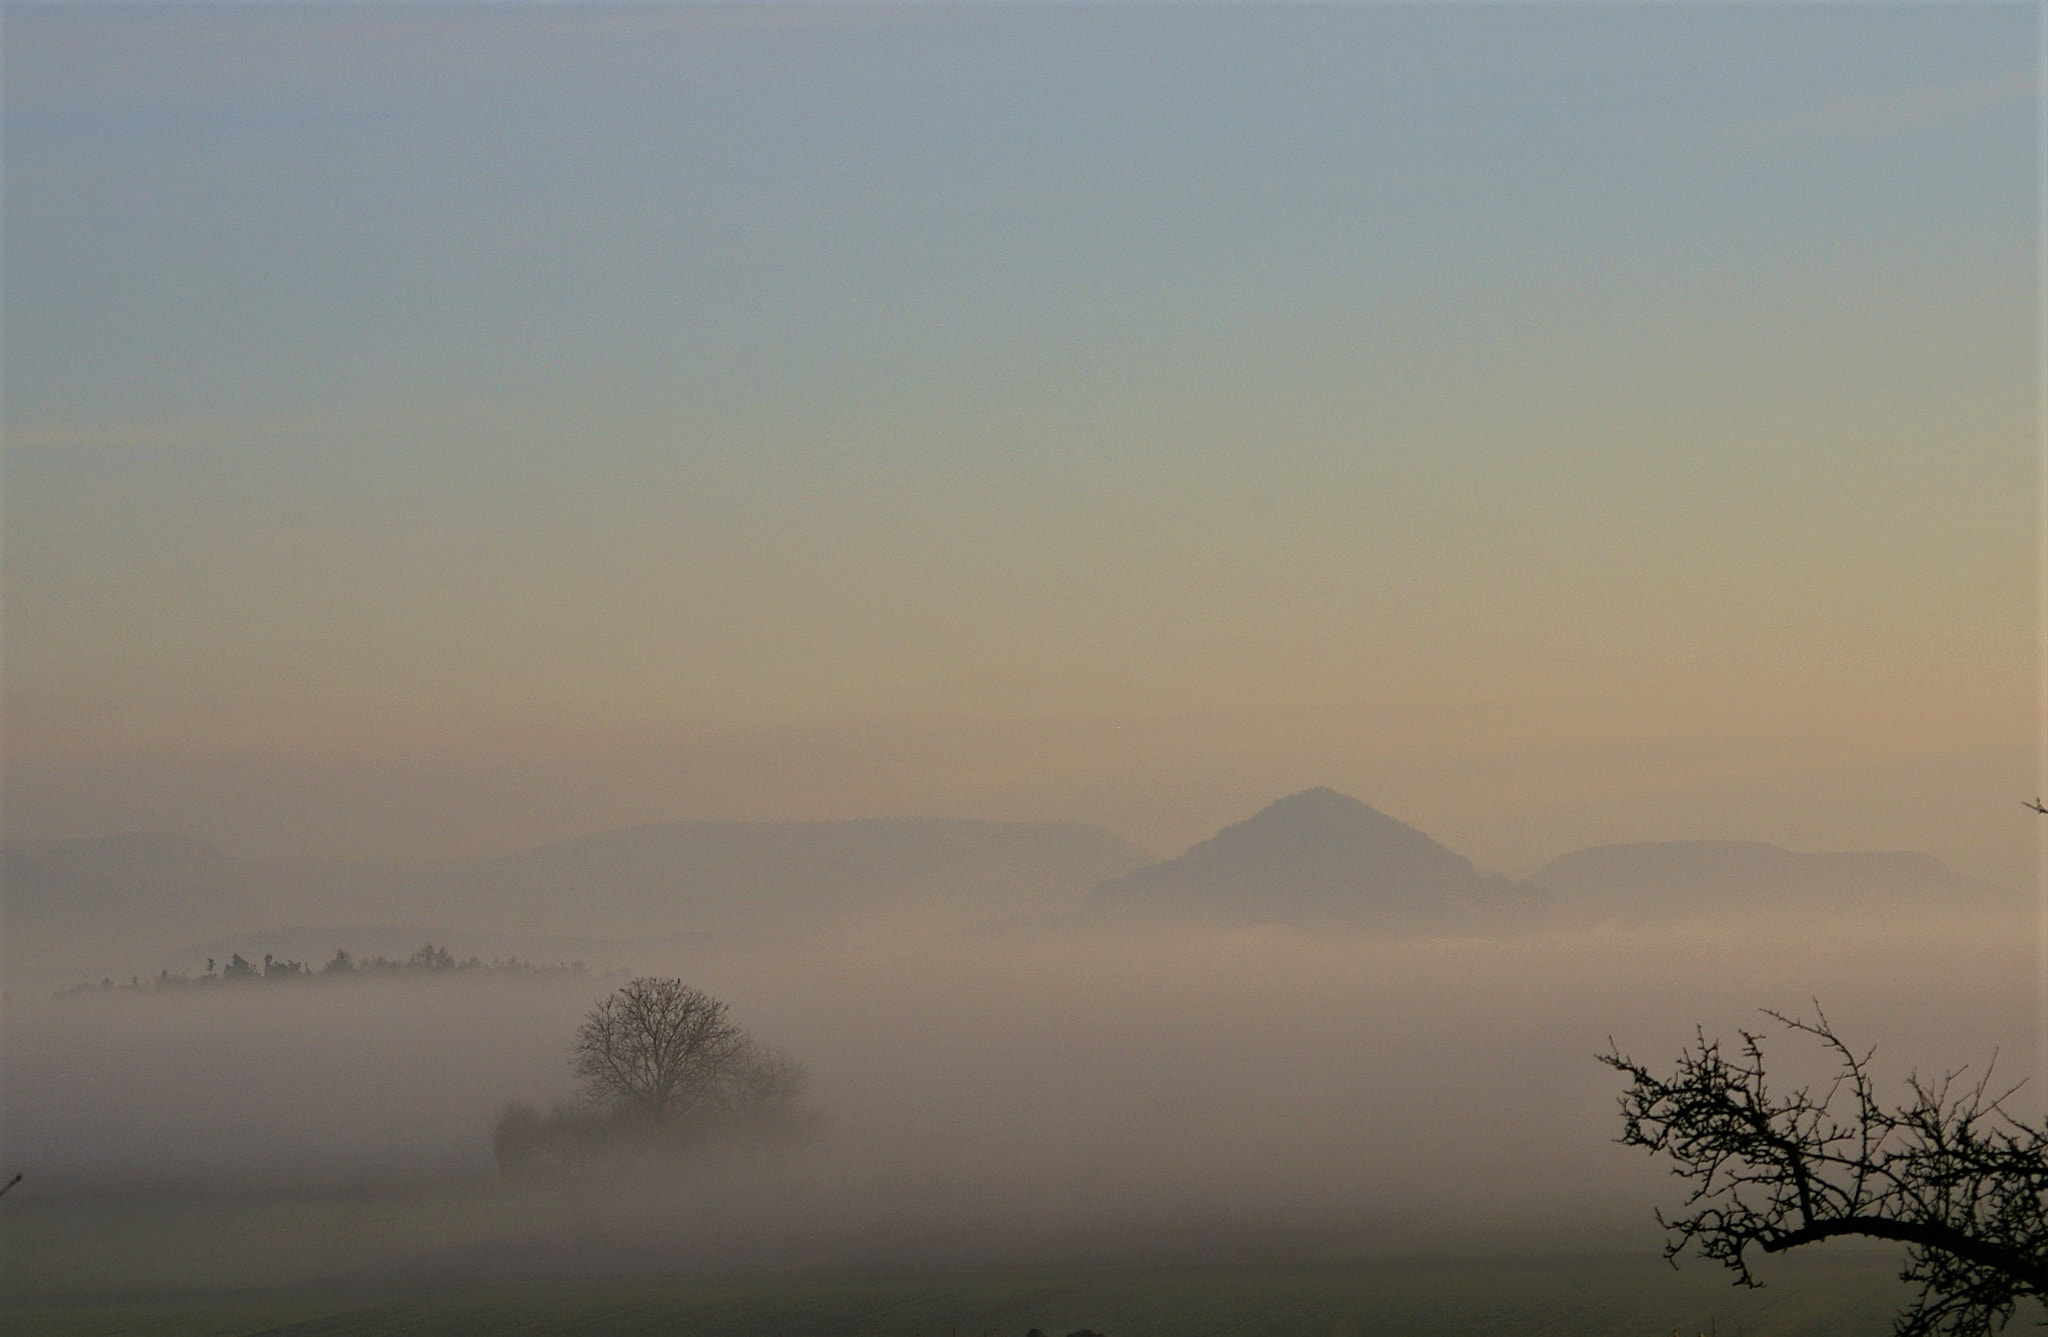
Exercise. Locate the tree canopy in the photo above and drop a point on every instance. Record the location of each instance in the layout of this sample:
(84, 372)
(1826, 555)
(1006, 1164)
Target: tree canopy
(658, 1047)
(664, 1070)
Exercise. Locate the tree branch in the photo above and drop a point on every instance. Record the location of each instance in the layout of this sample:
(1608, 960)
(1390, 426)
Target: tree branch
(1928, 1235)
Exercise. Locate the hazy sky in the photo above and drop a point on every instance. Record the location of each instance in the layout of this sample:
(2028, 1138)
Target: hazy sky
(438, 429)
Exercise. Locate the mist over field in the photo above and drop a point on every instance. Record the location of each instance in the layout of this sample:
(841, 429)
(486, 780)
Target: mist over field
(1060, 1088)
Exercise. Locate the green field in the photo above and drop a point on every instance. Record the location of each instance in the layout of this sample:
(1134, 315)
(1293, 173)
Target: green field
(215, 1269)
(1565, 1296)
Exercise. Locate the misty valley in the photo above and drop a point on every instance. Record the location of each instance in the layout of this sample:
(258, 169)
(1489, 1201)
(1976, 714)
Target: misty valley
(874, 668)
(1319, 1039)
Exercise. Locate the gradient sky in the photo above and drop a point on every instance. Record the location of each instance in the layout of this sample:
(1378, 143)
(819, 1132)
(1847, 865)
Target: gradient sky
(439, 429)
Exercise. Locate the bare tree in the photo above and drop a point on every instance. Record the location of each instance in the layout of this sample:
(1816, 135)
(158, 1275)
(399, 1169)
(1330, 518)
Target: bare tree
(657, 1048)
(665, 1075)
(1950, 1173)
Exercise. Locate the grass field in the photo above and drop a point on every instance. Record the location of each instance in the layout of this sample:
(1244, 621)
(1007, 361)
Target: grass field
(1597, 1297)
(229, 1269)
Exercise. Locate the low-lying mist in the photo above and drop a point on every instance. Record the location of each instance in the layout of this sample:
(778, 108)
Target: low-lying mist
(992, 1096)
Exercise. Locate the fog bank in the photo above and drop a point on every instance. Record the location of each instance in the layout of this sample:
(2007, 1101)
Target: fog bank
(998, 1096)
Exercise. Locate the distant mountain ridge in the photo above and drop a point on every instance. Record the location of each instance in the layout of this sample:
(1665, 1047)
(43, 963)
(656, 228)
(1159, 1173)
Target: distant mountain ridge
(1667, 882)
(89, 904)
(1322, 858)
(1317, 859)
(726, 876)
(121, 884)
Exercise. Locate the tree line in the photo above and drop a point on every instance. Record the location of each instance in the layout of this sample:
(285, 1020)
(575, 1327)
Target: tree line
(430, 961)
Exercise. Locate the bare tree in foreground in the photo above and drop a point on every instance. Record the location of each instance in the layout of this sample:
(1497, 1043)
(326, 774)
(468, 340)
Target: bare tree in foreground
(1949, 1173)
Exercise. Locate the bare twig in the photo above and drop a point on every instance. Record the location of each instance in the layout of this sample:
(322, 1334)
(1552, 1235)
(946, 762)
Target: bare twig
(1950, 1173)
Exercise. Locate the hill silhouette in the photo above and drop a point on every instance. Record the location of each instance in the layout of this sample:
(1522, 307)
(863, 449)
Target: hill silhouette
(75, 909)
(741, 876)
(1322, 858)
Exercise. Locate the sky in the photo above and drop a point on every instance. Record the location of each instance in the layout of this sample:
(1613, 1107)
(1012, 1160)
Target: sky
(432, 430)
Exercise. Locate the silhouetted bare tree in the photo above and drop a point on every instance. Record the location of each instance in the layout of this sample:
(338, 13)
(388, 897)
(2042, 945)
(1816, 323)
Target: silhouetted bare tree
(1949, 1173)
(658, 1048)
(665, 1072)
